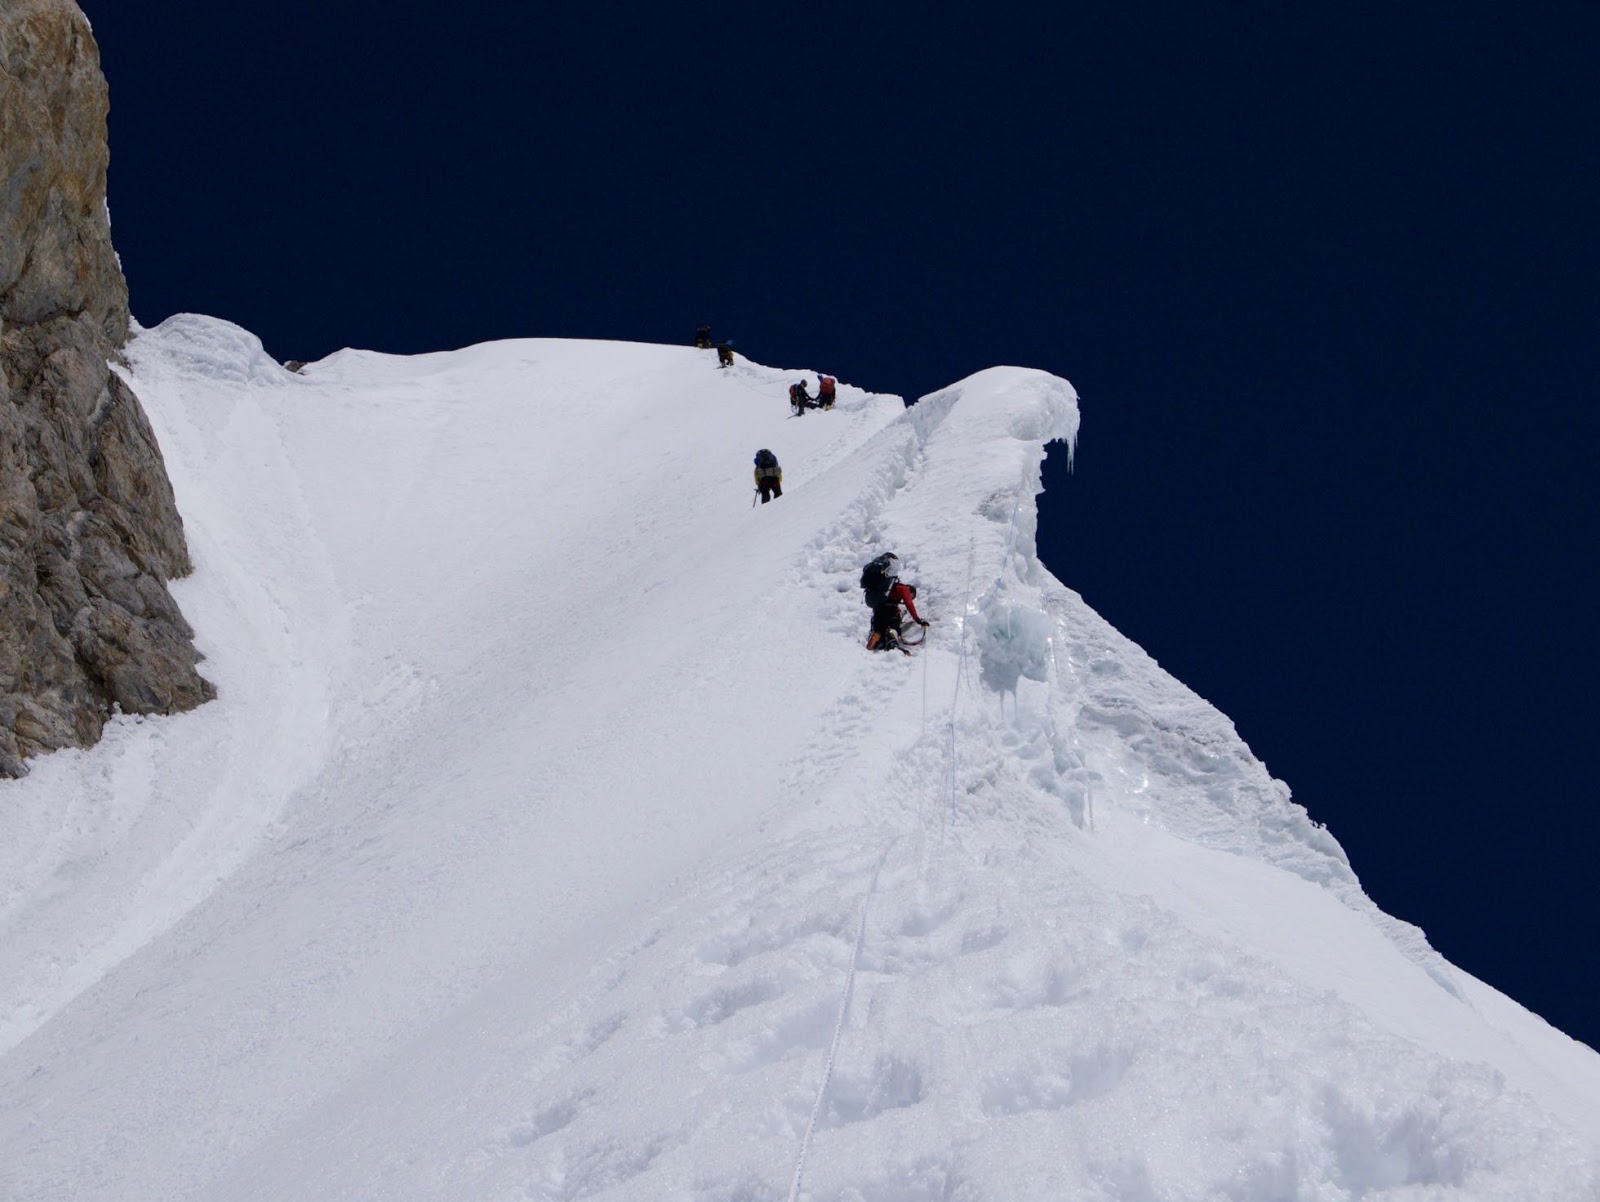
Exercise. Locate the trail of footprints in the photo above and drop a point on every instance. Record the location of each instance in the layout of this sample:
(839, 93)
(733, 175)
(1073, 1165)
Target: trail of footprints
(734, 1017)
(734, 1014)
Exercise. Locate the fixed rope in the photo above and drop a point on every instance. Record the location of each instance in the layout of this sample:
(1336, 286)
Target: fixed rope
(838, 1025)
(961, 671)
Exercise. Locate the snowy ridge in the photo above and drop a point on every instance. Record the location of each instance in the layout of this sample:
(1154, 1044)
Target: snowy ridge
(1185, 767)
(554, 838)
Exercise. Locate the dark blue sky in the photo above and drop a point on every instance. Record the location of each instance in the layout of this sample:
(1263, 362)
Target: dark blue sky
(1327, 279)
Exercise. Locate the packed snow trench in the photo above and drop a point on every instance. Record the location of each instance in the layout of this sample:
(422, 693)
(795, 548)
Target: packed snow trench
(554, 837)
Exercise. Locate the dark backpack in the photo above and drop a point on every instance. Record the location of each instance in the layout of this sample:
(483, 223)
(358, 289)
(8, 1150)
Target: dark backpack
(765, 458)
(876, 581)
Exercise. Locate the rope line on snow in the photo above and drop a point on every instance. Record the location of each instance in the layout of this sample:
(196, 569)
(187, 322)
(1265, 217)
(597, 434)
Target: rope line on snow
(966, 606)
(961, 671)
(1077, 748)
(954, 774)
(872, 889)
(838, 1026)
(1005, 557)
(924, 659)
(1011, 533)
(750, 388)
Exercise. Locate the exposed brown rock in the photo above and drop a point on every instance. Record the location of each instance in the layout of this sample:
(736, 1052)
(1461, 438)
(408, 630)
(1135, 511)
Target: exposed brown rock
(89, 532)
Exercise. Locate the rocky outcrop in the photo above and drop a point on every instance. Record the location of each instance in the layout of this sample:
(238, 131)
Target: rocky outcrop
(89, 532)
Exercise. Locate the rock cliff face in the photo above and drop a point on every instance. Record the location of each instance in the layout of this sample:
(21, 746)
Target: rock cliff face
(89, 533)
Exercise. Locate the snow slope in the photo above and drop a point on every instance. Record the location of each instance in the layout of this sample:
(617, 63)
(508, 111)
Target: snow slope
(554, 838)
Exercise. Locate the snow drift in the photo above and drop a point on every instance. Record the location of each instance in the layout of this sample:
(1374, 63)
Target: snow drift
(554, 837)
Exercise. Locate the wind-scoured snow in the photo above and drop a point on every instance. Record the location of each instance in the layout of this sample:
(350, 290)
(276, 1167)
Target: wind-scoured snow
(553, 836)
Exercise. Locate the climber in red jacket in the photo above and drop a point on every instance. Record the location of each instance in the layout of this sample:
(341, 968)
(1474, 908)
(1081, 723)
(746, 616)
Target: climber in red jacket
(886, 593)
